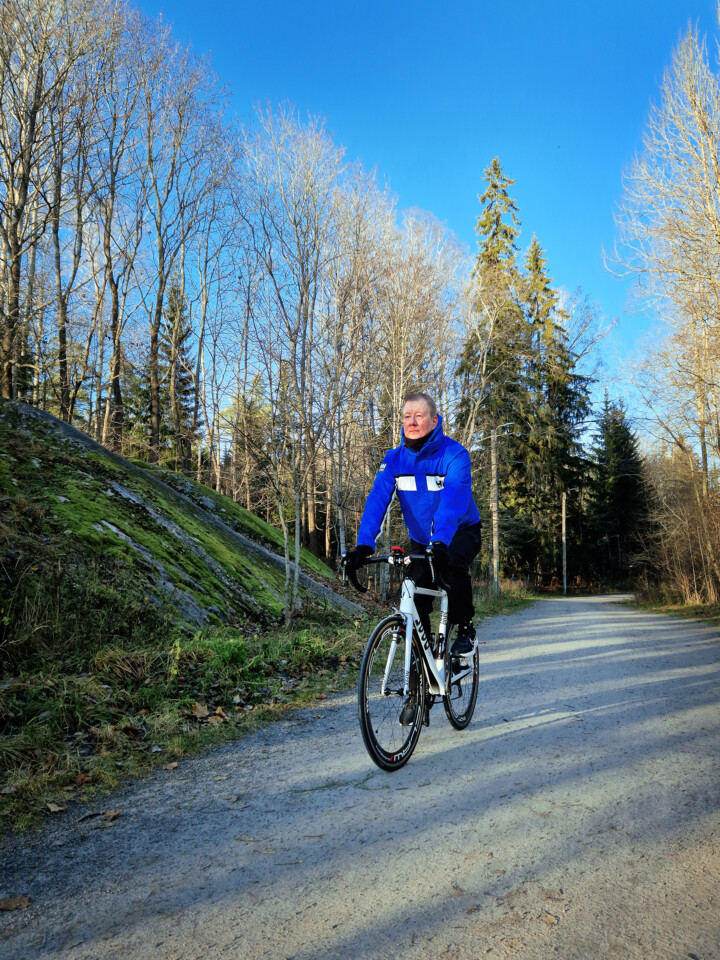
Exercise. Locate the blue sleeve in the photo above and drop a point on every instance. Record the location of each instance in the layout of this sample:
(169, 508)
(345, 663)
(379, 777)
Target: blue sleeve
(455, 498)
(377, 504)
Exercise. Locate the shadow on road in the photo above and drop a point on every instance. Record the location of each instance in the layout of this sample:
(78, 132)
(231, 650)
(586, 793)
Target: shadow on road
(595, 740)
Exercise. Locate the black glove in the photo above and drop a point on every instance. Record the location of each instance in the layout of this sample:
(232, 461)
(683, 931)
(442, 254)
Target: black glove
(440, 556)
(354, 559)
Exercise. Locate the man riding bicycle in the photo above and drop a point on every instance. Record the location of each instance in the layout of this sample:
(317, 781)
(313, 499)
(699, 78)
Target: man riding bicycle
(430, 473)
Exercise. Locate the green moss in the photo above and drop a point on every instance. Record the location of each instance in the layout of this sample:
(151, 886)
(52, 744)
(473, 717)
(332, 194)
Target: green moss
(71, 566)
(241, 519)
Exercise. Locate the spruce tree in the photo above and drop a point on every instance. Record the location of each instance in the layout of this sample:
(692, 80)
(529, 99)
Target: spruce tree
(177, 379)
(498, 226)
(137, 413)
(554, 461)
(618, 511)
(493, 355)
(493, 367)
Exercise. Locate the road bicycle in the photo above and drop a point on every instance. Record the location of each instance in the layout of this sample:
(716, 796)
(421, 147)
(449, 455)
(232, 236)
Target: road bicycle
(427, 672)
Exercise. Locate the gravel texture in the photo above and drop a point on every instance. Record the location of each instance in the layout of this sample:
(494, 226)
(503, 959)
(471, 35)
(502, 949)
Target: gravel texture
(576, 817)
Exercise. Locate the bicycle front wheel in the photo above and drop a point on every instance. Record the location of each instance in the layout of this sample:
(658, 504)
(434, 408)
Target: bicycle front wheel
(381, 700)
(464, 674)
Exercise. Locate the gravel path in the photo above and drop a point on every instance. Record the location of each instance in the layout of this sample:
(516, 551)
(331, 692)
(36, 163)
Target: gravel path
(576, 817)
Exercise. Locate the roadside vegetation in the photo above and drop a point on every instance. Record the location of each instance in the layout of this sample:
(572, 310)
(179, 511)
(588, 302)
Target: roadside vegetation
(513, 596)
(72, 727)
(707, 612)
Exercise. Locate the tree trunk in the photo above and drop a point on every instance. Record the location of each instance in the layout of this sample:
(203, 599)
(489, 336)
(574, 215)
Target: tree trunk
(117, 417)
(312, 535)
(12, 314)
(154, 369)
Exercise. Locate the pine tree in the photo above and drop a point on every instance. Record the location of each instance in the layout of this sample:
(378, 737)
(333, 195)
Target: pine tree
(498, 226)
(136, 393)
(553, 459)
(493, 356)
(177, 392)
(618, 512)
(493, 367)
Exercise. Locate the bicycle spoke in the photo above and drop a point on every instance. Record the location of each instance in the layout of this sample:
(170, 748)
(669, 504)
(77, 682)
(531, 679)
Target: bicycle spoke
(382, 699)
(462, 695)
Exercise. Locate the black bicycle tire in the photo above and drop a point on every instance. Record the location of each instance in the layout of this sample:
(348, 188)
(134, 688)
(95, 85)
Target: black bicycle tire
(461, 721)
(389, 760)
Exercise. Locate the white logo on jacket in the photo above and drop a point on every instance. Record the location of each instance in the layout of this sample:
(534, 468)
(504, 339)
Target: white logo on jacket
(434, 482)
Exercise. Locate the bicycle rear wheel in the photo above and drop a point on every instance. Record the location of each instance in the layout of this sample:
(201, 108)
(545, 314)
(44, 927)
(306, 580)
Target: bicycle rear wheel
(464, 675)
(381, 699)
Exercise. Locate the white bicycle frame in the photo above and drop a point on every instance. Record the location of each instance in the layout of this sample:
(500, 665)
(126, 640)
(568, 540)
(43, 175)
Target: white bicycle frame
(436, 668)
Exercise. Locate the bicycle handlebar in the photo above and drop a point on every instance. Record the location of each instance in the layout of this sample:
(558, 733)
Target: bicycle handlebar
(392, 560)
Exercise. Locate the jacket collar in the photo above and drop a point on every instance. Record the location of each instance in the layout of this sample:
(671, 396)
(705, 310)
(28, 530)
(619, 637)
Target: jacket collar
(433, 443)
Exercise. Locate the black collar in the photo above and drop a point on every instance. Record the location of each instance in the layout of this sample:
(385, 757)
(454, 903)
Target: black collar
(417, 444)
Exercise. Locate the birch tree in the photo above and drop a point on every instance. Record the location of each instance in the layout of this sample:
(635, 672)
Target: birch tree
(41, 45)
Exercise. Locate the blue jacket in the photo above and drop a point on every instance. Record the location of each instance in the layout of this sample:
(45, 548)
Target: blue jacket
(433, 485)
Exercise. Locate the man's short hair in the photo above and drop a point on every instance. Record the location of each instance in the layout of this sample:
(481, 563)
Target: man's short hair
(422, 396)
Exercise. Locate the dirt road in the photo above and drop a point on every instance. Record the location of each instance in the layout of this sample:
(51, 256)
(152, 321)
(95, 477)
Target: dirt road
(577, 817)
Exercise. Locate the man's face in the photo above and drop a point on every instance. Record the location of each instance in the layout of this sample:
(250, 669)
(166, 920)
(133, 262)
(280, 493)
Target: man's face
(417, 421)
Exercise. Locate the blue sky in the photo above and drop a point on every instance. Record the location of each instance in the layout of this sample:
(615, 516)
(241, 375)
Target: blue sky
(430, 92)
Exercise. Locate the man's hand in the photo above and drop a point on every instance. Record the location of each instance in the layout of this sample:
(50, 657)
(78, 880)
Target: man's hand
(354, 559)
(440, 556)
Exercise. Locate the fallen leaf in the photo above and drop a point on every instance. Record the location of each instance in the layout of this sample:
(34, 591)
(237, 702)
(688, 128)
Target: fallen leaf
(155, 749)
(245, 838)
(112, 815)
(199, 710)
(54, 808)
(215, 719)
(82, 778)
(221, 713)
(221, 778)
(548, 918)
(7, 791)
(14, 903)
(319, 696)
(94, 732)
(135, 733)
(171, 766)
